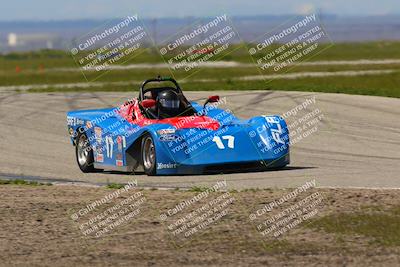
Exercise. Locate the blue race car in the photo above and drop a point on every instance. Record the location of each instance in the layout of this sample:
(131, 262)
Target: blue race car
(162, 133)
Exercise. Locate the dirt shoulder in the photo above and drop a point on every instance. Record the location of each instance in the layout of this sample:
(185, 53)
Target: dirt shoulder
(48, 226)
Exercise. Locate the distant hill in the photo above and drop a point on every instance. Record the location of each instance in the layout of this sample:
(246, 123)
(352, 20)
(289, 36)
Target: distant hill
(339, 28)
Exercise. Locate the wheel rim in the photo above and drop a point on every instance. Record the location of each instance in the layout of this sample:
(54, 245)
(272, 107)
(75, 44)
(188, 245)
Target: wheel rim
(83, 150)
(148, 153)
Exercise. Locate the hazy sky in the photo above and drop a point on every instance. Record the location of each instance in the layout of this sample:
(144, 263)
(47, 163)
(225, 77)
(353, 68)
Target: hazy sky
(78, 9)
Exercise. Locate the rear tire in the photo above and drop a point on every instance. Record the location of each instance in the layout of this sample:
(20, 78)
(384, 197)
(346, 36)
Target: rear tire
(149, 155)
(84, 153)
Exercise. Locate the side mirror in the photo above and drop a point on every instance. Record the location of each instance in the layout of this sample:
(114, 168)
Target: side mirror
(211, 99)
(148, 103)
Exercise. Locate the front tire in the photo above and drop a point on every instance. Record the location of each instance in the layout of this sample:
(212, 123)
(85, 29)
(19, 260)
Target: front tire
(149, 155)
(84, 153)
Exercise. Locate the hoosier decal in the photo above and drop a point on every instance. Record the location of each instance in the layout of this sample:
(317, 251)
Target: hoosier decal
(161, 166)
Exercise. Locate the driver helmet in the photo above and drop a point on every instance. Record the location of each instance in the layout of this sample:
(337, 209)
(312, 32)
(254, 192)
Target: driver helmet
(168, 103)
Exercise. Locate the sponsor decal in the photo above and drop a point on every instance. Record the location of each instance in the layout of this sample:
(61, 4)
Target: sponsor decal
(79, 122)
(202, 122)
(119, 143)
(276, 133)
(100, 158)
(99, 148)
(88, 125)
(166, 131)
(71, 131)
(161, 165)
(70, 121)
(73, 121)
(99, 152)
(118, 156)
(168, 137)
(123, 141)
(119, 163)
(109, 146)
(97, 134)
(167, 134)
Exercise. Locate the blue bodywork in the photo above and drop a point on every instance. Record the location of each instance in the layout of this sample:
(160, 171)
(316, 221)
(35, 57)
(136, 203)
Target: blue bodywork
(259, 142)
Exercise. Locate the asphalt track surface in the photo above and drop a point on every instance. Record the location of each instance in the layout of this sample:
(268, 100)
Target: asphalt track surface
(356, 144)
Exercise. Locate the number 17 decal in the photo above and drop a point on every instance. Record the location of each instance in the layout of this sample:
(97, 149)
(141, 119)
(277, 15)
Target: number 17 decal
(220, 144)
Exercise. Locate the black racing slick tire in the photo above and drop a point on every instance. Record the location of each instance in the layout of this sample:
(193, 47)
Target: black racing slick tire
(149, 155)
(84, 153)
